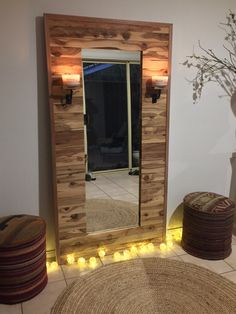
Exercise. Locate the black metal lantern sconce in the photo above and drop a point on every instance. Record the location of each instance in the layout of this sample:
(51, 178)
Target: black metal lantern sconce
(71, 82)
(155, 86)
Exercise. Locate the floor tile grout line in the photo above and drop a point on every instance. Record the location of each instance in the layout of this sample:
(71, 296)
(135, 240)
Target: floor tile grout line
(108, 180)
(124, 188)
(205, 266)
(120, 186)
(181, 254)
(102, 190)
(64, 276)
(106, 192)
(227, 272)
(229, 265)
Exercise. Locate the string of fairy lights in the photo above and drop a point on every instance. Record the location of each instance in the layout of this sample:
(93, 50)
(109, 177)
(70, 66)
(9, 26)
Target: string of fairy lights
(132, 251)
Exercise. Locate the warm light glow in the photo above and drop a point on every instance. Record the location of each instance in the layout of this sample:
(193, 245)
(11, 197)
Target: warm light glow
(81, 262)
(163, 247)
(150, 246)
(126, 254)
(117, 256)
(169, 244)
(177, 234)
(71, 80)
(101, 253)
(159, 80)
(169, 237)
(70, 259)
(53, 266)
(133, 250)
(143, 249)
(93, 262)
(48, 265)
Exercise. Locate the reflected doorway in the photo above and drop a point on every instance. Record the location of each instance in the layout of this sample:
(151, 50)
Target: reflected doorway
(112, 142)
(112, 115)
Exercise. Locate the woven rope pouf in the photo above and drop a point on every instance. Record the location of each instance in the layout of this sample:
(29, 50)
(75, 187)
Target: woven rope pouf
(207, 225)
(23, 272)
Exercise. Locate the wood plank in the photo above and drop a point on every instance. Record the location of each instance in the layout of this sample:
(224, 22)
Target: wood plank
(54, 20)
(66, 36)
(68, 121)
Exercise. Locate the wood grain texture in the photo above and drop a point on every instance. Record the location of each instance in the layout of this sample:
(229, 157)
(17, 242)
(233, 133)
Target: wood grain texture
(66, 36)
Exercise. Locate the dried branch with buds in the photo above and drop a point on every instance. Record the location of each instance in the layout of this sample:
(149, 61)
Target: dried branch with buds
(211, 68)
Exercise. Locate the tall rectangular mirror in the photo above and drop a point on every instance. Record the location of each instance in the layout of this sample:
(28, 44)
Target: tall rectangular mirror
(112, 101)
(109, 130)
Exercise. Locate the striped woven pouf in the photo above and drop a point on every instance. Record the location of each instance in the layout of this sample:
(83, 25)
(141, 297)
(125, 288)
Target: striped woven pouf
(23, 272)
(207, 225)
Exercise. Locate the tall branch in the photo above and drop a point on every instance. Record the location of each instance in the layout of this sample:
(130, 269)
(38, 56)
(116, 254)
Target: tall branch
(212, 68)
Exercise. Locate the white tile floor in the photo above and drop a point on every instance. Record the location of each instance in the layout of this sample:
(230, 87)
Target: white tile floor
(64, 275)
(118, 185)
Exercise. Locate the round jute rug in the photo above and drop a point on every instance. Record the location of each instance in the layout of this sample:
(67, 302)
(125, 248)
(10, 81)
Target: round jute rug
(148, 286)
(103, 214)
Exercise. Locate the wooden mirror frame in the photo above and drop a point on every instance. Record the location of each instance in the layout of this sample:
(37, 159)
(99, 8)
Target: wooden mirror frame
(65, 37)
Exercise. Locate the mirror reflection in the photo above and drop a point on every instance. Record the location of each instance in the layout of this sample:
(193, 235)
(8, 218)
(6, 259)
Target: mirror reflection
(112, 138)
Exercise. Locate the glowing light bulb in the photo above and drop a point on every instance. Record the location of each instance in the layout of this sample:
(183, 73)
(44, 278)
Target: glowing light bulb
(126, 254)
(133, 250)
(117, 256)
(143, 249)
(81, 262)
(53, 266)
(70, 259)
(150, 246)
(169, 244)
(101, 253)
(93, 262)
(163, 247)
(47, 265)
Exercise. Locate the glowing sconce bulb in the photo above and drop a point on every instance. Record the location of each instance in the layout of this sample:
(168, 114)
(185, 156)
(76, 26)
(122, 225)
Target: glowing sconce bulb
(101, 253)
(117, 256)
(81, 262)
(163, 247)
(70, 259)
(126, 254)
(134, 250)
(71, 80)
(93, 262)
(150, 247)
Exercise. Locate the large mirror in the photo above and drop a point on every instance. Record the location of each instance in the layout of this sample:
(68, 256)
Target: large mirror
(112, 101)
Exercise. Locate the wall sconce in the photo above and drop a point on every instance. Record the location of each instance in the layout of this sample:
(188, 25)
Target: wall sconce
(70, 82)
(158, 83)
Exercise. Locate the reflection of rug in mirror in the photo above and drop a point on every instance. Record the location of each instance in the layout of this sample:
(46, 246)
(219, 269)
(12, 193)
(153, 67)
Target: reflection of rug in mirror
(103, 214)
(148, 286)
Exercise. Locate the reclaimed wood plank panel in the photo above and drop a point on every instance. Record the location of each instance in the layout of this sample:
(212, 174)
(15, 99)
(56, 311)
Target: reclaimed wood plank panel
(65, 37)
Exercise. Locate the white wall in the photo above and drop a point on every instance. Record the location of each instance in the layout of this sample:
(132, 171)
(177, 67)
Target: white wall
(202, 136)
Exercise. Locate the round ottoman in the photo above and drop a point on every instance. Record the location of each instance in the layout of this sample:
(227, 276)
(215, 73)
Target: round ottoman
(207, 225)
(23, 272)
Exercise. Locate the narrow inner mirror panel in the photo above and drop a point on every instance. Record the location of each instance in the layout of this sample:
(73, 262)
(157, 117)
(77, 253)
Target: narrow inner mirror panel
(112, 110)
